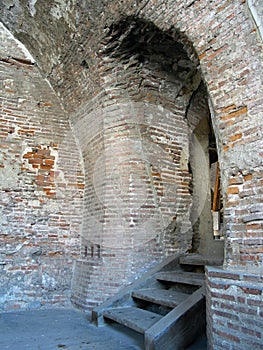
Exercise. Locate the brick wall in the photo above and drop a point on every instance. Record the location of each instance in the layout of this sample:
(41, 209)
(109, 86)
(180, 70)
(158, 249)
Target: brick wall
(41, 184)
(223, 35)
(222, 42)
(234, 309)
(225, 54)
(231, 78)
(136, 155)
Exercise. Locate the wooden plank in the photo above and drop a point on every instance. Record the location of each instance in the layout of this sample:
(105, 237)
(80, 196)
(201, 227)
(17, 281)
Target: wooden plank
(137, 319)
(180, 327)
(160, 296)
(192, 278)
(123, 297)
(216, 189)
(200, 260)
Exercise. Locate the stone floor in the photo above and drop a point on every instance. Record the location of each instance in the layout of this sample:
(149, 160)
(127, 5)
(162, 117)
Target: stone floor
(66, 329)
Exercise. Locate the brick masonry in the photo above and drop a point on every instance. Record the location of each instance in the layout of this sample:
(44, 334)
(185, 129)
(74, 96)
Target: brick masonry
(136, 155)
(234, 309)
(41, 191)
(109, 89)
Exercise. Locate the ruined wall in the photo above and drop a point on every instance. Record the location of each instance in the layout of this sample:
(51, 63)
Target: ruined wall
(225, 38)
(136, 154)
(41, 184)
(234, 295)
(234, 306)
(229, 48)
(230, 61)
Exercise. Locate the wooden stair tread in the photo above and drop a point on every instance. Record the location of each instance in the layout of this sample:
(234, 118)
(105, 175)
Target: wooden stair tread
(200, 260)
(159, 296)
(132, 317)
(181, 326)
(192, 278)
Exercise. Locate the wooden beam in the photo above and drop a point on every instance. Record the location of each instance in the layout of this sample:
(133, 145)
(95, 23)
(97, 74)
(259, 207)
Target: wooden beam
(216, 189)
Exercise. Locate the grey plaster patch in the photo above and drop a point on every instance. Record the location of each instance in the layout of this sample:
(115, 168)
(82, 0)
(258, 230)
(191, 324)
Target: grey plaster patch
(31, 7)
(6, 36)
(244, 156)
(62, 9)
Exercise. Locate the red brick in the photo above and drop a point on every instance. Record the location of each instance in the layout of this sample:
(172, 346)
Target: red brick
(225, 335)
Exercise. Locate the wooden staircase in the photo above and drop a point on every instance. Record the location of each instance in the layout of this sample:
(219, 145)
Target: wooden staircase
(167, 305)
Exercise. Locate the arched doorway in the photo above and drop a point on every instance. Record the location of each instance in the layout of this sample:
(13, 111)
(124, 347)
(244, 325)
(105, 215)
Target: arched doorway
(207, 206)
(139, 195)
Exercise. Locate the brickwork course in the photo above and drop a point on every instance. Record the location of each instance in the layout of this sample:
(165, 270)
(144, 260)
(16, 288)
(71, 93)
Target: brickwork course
(112, 116)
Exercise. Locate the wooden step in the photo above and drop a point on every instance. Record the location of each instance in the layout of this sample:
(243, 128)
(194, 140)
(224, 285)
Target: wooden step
(200, 260)
(181, 326)
(137, 319)
(160, 296)
(192, 278)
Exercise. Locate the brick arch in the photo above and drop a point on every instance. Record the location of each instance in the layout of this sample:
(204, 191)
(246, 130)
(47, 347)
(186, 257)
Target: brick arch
(222, 35)
(224, 38)
(228, 49)
(135, 38)
(136, 76)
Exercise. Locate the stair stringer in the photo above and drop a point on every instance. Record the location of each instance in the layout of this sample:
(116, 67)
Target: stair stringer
(124, 296)
(181, 326)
